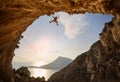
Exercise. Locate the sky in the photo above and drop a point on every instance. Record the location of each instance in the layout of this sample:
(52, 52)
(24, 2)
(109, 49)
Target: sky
(44, 41)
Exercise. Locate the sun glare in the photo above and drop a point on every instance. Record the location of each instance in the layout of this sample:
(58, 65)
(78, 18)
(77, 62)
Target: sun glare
(37, 72)
(39, 63)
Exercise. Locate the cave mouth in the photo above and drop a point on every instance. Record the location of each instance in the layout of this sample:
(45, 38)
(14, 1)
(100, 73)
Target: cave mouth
(17, 15)
(43, 41)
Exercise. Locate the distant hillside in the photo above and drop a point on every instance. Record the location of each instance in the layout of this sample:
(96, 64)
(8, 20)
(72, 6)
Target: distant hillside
(58, 63)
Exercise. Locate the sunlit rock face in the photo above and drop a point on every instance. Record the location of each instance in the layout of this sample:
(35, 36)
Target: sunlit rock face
(94, 64)
(17, 15)
(110, 36)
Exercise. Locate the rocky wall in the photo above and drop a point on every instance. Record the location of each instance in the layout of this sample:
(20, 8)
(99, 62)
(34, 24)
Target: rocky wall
(17, 15)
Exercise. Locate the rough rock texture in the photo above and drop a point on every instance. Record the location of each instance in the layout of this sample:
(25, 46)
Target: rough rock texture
(102, 61)
(23, 75)
(17, 15)
(94, 64)
(73, 72)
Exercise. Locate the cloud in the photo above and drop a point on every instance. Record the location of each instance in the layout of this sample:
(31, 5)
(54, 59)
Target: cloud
(74, 25)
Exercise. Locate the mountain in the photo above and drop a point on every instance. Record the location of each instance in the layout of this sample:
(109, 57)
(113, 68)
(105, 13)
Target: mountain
(58, 63)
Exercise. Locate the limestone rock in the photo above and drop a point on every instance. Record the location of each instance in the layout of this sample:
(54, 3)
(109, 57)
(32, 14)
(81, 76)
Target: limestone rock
(94, 64)
(74, 72)
(23, 71)
(17, 15)
(23, 75)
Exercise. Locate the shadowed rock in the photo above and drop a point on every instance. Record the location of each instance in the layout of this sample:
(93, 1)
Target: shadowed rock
(23, 75)
(17, 15)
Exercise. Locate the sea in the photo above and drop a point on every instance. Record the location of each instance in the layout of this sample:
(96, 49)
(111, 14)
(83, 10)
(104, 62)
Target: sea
(38, 72)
